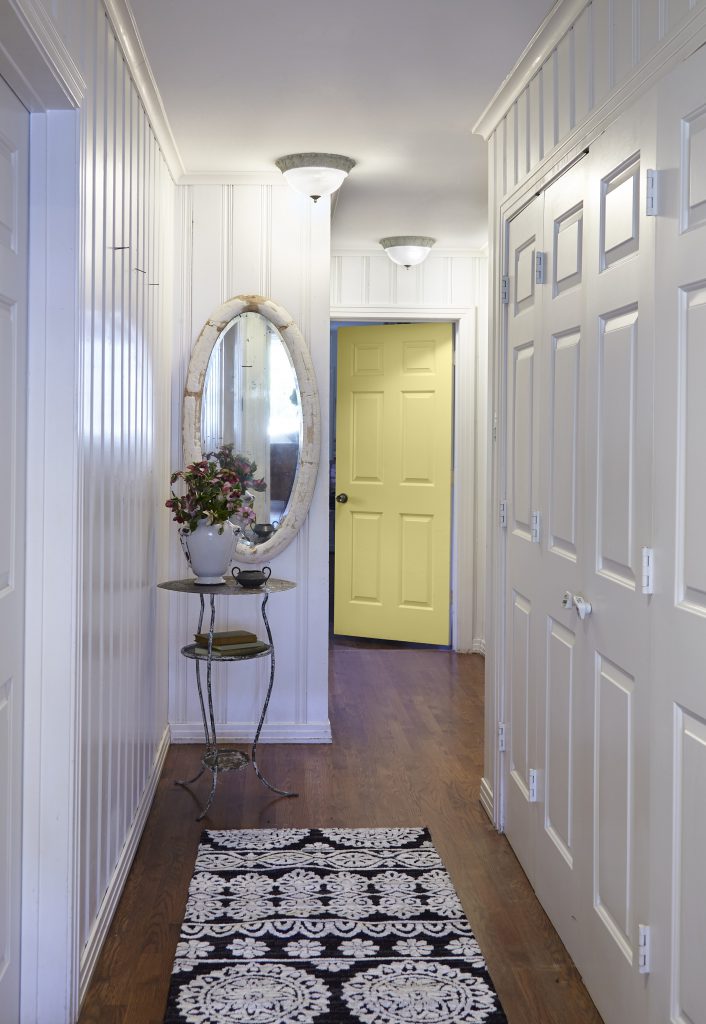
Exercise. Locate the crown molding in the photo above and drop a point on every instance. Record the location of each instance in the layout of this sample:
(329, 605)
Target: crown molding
(125, 27)
(549, 34)
(34, 59)
(233, 178)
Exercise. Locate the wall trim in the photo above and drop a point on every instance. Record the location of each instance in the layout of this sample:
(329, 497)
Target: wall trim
(403, 313)
(478, 646)
(463, 560)
(234, 178)
(125, 28)
(552, 30)
(244, 732)
(689, 37)
(94, 943)
(34, 59)
(486, 800)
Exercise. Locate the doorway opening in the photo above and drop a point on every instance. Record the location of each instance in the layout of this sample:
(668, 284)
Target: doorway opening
(391, 451)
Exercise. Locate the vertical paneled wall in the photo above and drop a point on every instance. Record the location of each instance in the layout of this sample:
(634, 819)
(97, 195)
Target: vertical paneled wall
(264, 240)
(452, 285)
(606, 43)
(127, 217)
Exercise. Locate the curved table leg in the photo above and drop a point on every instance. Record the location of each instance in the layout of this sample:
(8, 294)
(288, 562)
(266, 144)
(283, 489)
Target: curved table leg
(261, 777)
(210, 736)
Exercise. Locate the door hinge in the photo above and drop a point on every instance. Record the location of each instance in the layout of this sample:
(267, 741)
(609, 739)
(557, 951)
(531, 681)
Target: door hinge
(648, 580)
(503, 514)
(536, 526)
(652, 194)
(540, 261)
(501, 737)
(505, 289)
(643, 949)
(533, 780)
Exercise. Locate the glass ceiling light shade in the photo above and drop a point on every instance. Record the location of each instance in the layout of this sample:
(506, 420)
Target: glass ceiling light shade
(407, 250)
(315, 174)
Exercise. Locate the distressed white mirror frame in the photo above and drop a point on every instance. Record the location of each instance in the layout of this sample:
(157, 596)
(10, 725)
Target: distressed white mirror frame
(308, 465)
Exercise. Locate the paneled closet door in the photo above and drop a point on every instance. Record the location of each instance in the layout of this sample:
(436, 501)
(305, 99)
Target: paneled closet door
(522, 632)
(616, 400)
(562, 690)
(678, 742)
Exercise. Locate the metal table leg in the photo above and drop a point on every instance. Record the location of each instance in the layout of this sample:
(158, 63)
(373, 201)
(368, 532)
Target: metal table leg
(253, 757)
(213, 759)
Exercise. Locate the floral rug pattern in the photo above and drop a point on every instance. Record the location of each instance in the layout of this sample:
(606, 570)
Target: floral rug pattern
(326, 926)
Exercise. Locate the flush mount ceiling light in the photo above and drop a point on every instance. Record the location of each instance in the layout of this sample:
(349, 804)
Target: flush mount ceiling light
(407, 250)
(315, 174)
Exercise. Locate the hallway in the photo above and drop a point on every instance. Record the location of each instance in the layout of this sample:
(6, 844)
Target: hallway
(407, 727)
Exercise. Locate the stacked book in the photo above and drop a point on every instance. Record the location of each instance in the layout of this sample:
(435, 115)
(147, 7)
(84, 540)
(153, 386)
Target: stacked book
(234, 641)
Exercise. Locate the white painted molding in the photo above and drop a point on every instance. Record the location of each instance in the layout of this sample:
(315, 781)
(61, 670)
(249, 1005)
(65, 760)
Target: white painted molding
(690, 37)
(244, 732)
(552, 30)
(403, 313)
(478, 646)
(50, 821)
(234, 178)
(125, 28)
(486, 799)
(366, 250)
(463, 555)
(96, 938)
(34, 58)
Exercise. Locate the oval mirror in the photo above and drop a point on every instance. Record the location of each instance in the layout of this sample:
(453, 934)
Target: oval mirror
(251, 384)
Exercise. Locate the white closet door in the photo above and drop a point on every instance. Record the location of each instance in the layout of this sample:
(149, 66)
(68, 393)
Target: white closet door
(616, 399)
(14, 153)
(523, 556)
(579, 452)
(679, 604)
(562, 692)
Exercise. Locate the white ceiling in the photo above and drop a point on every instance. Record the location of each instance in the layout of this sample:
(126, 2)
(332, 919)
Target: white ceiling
(395, 84)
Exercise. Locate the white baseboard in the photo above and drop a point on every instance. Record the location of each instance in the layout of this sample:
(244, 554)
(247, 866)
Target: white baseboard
(486, 799)
(478, 646)
(96, 938)
(244, 732)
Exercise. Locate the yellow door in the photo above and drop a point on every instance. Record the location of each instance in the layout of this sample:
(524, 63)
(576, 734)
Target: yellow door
(393, 482)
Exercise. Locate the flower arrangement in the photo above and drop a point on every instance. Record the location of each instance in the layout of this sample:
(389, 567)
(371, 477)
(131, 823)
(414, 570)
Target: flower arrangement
(215, 490)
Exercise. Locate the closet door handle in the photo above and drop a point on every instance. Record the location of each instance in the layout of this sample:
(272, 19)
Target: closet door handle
(341, 498)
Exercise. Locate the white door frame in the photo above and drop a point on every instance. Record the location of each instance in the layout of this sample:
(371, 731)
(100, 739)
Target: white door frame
(467, 496)
(36, 63)
(493, 784)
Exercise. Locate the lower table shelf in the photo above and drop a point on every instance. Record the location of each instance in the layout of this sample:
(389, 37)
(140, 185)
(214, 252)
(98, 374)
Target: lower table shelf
(222, 759)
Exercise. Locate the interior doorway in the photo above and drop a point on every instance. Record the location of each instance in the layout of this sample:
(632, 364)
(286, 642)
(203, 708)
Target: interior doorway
(391, 454)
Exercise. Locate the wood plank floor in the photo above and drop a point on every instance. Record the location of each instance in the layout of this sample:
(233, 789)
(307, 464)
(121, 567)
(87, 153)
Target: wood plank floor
(407, 750)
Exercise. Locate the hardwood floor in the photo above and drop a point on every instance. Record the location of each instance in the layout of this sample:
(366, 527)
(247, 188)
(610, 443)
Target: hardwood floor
(408, 750)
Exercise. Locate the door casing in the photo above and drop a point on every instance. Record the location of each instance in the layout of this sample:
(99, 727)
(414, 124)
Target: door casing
(468, 491)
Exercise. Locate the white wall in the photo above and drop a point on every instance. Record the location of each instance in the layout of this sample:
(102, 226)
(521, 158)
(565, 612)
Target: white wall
(100, 306)
(448, 286)
(263, 240)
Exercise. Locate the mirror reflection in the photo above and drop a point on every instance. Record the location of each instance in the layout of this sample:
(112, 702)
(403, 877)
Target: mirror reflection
(251, 400)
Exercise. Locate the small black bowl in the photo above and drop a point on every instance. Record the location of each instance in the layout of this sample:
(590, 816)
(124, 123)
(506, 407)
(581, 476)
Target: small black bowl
(263, 530)
(251, 578)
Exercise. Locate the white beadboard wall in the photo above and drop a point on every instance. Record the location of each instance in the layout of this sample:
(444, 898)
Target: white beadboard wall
(127, 218)
(581, 58)
(449, 285)
(106, 265)
(265, 240)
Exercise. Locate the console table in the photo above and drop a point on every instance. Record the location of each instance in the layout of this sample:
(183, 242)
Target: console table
(218, 759)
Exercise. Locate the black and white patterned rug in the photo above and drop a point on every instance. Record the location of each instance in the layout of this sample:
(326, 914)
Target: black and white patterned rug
(326, 926)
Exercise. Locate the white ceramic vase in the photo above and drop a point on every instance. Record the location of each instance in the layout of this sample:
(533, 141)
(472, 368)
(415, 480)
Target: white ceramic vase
(209, 550)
